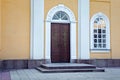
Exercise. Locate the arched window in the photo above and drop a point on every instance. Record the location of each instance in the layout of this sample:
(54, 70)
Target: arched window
(100, 33)
(60, 16)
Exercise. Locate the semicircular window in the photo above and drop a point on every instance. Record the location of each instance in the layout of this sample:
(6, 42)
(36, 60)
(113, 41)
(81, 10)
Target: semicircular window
(60, 15)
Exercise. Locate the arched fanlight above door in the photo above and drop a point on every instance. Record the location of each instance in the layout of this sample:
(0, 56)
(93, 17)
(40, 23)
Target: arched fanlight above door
(60, 15)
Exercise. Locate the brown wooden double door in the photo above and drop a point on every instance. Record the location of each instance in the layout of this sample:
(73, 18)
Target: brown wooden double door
(60, 42)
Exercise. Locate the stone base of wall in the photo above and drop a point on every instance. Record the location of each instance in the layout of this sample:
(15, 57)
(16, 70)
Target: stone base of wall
(19, 64)
(28, 64)
(102, 62)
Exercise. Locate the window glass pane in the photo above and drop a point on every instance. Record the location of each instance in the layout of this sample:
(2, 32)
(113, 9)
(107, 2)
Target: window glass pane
(55, 17)
(104, 45)
(99, 26)
(95, 30)
(99, 35)
(103, 25)
(60, 16)
(95, 25)
(65, 18)
(95, 45)
(95, 35)
(101, 18)
(104, 40)
(97, 19)
(95, 40)
(103, 31)
(99, 30)
(104, 36)
(99, 40)
(99, 45)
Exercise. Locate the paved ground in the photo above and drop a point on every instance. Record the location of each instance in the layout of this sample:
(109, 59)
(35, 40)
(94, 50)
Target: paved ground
(32, 74)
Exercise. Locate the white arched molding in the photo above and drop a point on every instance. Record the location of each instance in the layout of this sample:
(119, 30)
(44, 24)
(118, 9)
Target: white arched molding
(72, 22)
(106, 19)
(63, 8)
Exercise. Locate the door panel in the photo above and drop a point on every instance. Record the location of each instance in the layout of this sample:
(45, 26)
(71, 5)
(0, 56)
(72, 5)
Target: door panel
(60, 42)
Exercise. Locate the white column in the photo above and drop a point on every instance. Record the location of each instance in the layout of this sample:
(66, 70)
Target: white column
(73, 40)
(48, 40)
(83, 24)
(37, 29)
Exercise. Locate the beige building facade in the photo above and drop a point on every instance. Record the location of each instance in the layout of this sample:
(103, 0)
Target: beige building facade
(26, 29)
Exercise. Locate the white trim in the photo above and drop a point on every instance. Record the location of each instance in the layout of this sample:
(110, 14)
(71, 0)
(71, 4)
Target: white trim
(31, 29)
(63, 8)
(107, 31)
(37, 29)
(60, 21)
(72, 22)
(79, 30)
(83, 29)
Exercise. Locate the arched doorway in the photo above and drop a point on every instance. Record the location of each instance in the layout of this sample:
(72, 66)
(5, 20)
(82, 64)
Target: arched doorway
(40, 33)
(60, 20)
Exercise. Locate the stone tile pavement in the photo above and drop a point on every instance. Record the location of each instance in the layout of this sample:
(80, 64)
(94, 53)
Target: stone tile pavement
(33, 74)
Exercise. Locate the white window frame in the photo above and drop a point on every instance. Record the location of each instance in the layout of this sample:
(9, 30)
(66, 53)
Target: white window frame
(107, 49)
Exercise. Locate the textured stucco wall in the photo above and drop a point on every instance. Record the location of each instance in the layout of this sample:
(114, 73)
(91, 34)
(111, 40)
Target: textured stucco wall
(15, 16)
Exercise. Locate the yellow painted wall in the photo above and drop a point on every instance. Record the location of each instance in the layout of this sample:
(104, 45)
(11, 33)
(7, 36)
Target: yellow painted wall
(15, 25)
(115, 28)
(104, 7)
(71, 4)
(0, 25)
(15, 29)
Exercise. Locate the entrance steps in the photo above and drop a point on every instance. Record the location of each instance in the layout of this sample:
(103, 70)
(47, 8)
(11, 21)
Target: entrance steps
(68, 67)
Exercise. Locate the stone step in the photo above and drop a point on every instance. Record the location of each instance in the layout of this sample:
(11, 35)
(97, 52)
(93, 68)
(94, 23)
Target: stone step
(67, 66)
(43, 70)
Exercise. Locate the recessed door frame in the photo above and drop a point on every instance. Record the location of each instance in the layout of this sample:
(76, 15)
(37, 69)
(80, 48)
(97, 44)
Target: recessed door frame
(72, 31)
(59, 52)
